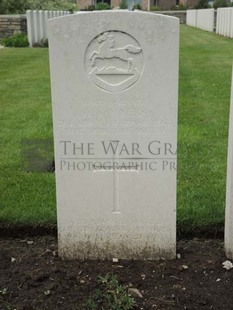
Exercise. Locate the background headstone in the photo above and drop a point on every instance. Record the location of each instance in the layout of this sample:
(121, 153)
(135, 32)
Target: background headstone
(114, 90)
(229, 191)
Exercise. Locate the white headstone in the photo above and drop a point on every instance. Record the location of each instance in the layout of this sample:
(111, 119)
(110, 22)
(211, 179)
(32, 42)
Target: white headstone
(191, 18)
(229, 191)
(205, 19)
(114, 90)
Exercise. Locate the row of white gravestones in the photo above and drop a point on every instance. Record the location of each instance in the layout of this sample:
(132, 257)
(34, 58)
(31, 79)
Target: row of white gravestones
(203, 19)
(229, 191)
(224, 25)
(114, 91)
(37, 24)
(191, 18)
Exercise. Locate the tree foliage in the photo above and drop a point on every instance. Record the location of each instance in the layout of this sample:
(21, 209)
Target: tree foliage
(102, 6)
(13, 6)
(202, 4)
(20, 6)
(220, 4)
(52, 4)
(123, 4)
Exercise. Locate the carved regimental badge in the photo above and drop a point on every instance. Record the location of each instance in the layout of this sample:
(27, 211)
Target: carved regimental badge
(114, 61)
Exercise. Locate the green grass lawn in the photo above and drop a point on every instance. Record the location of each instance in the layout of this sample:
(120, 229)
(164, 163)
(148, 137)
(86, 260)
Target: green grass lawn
(204, 97)
(26, 198)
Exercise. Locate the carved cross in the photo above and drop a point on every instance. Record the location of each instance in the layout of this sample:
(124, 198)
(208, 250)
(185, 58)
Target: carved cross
(116, 178)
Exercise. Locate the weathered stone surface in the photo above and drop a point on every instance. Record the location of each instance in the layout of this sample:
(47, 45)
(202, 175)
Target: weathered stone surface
(114, 90)
(11, 24)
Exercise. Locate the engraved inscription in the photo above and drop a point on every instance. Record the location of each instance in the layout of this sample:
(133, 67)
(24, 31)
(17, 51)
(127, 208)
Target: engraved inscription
(114, 61)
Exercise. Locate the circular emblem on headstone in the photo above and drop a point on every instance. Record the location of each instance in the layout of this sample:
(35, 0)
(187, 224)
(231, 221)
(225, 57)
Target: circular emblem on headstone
(114, 61)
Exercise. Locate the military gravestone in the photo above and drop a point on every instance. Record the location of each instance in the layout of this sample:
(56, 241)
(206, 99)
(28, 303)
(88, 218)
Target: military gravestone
(114, 78)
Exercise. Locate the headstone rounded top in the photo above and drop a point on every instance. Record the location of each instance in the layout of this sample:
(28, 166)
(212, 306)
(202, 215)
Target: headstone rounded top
(117, 12)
